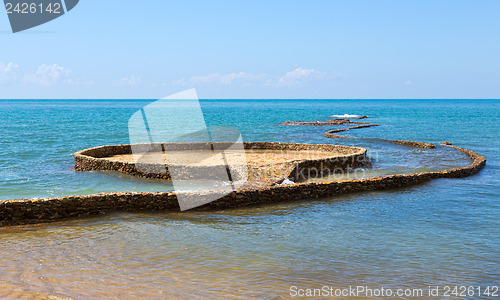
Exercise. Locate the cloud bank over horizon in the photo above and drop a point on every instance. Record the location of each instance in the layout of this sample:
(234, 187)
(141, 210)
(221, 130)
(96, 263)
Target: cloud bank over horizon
(49, 76)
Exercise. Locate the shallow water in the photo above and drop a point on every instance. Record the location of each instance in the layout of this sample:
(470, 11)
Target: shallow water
(404, 160)
(445, 231)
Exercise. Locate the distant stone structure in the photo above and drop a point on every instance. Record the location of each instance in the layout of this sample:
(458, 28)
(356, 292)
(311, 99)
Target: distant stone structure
(332, 133)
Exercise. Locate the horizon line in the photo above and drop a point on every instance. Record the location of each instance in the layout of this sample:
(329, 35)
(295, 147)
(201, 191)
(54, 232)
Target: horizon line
(210, 99)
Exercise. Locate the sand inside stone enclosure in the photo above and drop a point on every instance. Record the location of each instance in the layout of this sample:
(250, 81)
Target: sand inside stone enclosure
(250, 156)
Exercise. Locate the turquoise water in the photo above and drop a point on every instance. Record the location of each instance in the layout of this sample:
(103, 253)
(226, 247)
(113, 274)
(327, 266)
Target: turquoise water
(38, 138)
(446, 231)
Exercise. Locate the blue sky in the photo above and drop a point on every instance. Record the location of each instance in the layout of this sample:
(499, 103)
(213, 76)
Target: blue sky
(258, 49)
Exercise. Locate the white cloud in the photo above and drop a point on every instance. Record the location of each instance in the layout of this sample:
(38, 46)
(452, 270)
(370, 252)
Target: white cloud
(298, 77)
(409, 82)
(216, 78)
(7, 71)
(131, 80)
(48, 75)
(7, 68)
(293, 78)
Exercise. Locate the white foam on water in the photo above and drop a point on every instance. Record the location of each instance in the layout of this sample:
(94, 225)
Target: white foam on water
(346, 116)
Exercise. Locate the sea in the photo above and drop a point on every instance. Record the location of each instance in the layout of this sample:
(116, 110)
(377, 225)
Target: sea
(442, 235)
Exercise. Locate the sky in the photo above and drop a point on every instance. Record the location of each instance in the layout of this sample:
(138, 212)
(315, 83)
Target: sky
(257, 49)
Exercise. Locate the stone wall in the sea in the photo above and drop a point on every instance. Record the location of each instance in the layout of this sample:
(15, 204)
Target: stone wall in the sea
(411, 143)
(94, 159)
(325, 123)
(333, 133)
(19, 212)
(354, 127)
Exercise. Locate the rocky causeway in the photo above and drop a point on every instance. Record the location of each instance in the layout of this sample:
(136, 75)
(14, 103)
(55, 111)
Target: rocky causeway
(267, 164)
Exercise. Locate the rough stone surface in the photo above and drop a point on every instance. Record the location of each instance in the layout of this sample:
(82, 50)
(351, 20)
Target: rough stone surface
(342, 157)
(354, 127)
(318, 123)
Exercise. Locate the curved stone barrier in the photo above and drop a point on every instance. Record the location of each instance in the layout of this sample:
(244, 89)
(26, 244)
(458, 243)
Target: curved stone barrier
(411, 143)
(354, 127)
(332, 133)
(343, 157)
(18, 212)
(325, 123)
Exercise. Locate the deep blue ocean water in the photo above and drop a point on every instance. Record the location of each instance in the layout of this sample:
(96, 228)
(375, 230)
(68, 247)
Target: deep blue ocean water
(445, 231)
